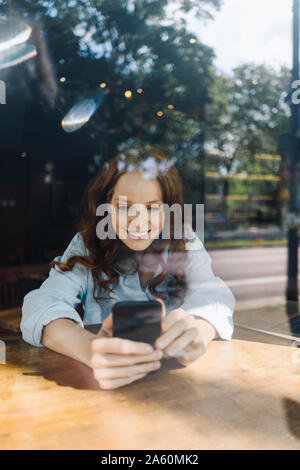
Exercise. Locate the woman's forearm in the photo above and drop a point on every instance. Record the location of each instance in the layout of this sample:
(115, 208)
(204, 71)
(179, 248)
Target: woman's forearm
(67, 337)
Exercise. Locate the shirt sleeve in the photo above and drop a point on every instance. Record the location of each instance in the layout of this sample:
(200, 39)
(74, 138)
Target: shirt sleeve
(57, 297)
(207, 296)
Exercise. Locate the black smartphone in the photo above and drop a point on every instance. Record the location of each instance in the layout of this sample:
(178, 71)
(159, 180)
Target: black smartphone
(137, 320)
(141, 321)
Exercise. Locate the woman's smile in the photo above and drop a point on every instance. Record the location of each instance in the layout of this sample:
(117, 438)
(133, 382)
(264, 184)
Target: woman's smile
(138, 235)
(137, 217)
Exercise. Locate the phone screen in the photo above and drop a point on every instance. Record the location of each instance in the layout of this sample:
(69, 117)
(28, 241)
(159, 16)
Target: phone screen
(137, 320)
(141, 321)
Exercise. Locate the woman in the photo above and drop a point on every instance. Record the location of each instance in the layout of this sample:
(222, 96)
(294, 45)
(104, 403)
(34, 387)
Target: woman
(135, 259)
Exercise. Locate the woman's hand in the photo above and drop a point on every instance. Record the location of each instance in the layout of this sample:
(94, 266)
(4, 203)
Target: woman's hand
(117, 362)
(185, 336)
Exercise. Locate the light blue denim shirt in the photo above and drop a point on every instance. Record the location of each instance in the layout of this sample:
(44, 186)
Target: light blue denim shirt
(207, 296)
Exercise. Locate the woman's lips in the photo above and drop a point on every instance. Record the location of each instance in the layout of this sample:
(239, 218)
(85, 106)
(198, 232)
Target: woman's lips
(138, 235)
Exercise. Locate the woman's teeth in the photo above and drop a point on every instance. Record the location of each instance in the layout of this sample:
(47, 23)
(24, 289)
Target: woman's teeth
(138, 235)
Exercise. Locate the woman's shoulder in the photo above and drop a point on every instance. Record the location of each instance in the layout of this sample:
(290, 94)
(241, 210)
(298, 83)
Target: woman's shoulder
(75, 247)
(79, 241)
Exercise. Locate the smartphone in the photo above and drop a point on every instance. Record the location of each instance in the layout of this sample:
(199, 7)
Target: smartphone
(141, 321)
(137, 320)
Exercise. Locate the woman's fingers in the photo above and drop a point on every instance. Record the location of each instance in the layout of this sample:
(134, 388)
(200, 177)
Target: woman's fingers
(116, 383)
(117, 361)
(120, 346)
(173, 317)
(180, 343)
(107, 326)
(174, 331)
(113, 360)
(192, 354)
(120, 372)
(164, 312)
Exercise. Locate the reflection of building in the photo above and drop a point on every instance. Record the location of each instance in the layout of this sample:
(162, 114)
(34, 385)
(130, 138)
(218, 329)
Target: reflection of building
(254, 197)
(284, 191)
(42, 178)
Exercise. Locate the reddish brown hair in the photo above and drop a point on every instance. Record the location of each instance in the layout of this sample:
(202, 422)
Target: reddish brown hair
(104, 255)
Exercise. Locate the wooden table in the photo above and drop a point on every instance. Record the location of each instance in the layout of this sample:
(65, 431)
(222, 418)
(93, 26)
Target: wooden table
(11, 318)
(243, 394)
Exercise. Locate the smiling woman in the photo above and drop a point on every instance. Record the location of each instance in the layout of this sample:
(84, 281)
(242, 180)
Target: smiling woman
(129, 177)
(136, 263)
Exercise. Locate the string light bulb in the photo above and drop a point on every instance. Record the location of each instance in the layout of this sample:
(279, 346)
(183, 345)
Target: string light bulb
(128, 94)
(159, 113)
(62, 79)
(102, 85)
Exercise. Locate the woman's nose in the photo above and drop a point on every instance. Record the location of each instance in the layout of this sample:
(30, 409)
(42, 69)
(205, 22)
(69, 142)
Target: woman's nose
(142, 228)
(143, 222)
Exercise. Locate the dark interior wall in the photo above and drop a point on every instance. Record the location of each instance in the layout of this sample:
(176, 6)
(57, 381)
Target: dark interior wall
(15, 232)
(34, 216)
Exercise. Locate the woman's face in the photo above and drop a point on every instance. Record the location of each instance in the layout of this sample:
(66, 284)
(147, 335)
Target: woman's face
(133, 219)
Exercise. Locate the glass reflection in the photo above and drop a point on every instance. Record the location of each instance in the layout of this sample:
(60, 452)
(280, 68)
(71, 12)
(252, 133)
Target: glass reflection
(81, 112)
(13, 36)
(16, 55)
(13, 32)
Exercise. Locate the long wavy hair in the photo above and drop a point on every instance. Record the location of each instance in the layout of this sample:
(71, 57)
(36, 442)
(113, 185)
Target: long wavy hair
(107, 255)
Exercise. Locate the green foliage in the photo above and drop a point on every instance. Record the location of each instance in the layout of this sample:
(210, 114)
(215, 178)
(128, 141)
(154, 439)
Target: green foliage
(252, 116)
(127, 45)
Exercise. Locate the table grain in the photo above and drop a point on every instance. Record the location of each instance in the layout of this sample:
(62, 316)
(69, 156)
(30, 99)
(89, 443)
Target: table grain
(242, 394)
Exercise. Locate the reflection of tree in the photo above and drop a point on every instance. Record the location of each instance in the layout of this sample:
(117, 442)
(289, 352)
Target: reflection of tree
(252, 117)
(127, 45)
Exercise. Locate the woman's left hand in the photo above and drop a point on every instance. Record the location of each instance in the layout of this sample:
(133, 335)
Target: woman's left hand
(185, 336)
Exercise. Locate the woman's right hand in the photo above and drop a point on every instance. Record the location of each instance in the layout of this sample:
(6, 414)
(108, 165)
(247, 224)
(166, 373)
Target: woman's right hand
(117, 362)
